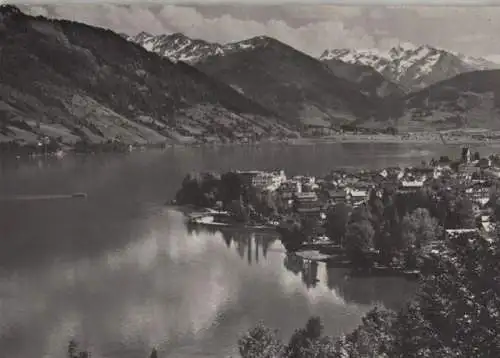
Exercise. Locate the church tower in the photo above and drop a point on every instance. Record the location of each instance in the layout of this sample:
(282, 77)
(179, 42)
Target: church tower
(466, 155)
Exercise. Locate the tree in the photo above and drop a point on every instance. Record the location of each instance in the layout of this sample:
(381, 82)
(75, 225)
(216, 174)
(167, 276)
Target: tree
(259, 342)
(417, 230)
(387, 242)
(337, 218)
(306, 342)
(231, 187)
(373, 337)
(358, 241)
(72, 349)
(314, 328)
(293, 236)
(360, 213)
(464, 217)
(456, 310)
(496, 210)
(190, 192)
(444, 159)
(74, 352)
(209, 187)
(375, 205)
(239, 211)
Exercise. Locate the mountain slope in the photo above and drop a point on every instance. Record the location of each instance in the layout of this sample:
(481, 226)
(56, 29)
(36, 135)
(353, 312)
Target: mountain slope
(289, 82)
(85, 82)
(469, 100)
(292, 84)
(178, 47)
(370, 82)
(412, 67)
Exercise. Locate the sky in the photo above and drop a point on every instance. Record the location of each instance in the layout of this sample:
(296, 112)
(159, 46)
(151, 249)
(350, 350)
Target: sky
(307, 26)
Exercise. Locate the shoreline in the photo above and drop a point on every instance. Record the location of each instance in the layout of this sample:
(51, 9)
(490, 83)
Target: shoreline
(403, 138)
(305, 251)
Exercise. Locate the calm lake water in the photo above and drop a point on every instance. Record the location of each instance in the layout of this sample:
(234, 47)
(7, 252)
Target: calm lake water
(120, 272)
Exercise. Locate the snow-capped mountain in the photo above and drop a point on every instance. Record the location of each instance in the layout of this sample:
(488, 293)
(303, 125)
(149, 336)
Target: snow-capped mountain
(292, 84)
(179, 47)
(412, 67)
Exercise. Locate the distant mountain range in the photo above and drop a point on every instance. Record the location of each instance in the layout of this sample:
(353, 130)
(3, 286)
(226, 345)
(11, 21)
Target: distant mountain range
(398, 78)
(178, 47)
(412, 67)
(76, 82)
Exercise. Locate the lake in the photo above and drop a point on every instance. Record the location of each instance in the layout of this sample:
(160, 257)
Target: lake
(120, 272)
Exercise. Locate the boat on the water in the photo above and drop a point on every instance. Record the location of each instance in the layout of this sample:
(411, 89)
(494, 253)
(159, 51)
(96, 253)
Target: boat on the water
(79, 195)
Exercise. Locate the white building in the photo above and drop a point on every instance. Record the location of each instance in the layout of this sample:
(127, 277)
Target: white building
(264, 180)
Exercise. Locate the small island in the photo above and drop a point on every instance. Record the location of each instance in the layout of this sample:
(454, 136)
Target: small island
(383, 221)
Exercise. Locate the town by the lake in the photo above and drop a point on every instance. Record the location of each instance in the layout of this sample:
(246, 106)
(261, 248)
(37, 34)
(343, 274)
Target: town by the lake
(382, 220)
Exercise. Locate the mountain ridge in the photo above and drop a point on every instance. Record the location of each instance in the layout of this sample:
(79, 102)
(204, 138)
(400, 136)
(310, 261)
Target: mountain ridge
(410, 66)
(76, 82)
(290, 82)
(229, 62)
(73, 81)
(179, 47)
(468, 100)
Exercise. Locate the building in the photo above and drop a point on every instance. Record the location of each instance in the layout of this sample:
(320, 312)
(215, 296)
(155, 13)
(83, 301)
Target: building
(288, 190)
(248, 177)
(263, 180)
(337, 196)
(478, 193)
(452, 234)
(309, 208)
(307, 204)
(407, 186)
(466, 155)
(484, 163)
(308, 196)
(492, 172)
(486, 225)
(357, 196)
(466, 171)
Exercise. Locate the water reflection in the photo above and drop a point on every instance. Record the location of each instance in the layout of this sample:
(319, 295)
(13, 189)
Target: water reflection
(308, 269)
(390, 292)
(249, 245)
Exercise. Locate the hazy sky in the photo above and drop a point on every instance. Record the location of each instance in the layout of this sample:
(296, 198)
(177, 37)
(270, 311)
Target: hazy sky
(472, 30)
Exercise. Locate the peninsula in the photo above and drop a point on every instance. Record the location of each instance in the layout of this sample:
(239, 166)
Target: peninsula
(385, 220)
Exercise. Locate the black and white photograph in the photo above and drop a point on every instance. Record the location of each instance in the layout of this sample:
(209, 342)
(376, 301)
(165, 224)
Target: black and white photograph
(249, 179)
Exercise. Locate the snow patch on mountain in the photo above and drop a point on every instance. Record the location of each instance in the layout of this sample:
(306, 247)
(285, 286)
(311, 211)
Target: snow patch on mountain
(413, 67)
(178, 47)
